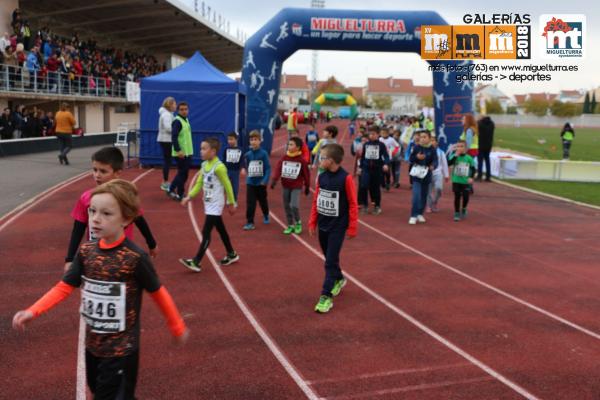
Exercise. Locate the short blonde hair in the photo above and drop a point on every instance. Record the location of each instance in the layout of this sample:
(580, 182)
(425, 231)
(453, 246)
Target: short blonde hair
(126, 195)
(255, 134)
(167, 101)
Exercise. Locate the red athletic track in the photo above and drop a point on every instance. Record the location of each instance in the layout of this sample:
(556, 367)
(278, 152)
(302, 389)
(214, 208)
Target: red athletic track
(543, 252)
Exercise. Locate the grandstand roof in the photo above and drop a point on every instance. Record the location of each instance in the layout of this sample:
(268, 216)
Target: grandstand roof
(151, 26)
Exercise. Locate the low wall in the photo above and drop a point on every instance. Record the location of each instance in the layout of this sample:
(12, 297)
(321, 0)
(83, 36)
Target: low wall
(13, 147)
(582, 121)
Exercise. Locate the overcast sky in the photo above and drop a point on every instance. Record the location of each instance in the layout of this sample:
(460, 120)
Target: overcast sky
(353, 68)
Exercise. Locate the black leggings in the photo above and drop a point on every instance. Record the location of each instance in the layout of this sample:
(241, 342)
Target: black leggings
(112, 378)
(460, 190)
(166, 150)
(253, 194)
(213, 221)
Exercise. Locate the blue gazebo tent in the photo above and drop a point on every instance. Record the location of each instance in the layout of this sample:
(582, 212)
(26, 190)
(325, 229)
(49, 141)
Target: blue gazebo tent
(217, 105)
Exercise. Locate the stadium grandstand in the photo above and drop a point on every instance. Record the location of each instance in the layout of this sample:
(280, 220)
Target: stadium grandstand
(93, 55)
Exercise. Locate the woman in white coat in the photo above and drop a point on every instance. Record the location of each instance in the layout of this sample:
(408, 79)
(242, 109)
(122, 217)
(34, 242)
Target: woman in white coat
(164, 136)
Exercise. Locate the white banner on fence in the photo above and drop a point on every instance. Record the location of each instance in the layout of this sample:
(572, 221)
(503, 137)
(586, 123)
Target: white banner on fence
(133, 92)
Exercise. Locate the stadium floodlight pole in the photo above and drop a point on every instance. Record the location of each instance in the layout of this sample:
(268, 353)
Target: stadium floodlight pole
(315, 53)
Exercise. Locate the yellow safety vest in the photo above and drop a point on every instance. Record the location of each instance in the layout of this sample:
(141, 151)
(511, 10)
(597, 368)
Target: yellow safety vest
(474, 141)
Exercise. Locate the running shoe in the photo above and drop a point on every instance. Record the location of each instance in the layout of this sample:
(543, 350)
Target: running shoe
(66, 160)
(60, 159)
(289, 230)
(249, 227)
(337, 287)
(266, 220)
(376, 211)
(165, 186)
(190, 264)
(324, 305)
(412, 221)
(298, 228)
(463, 214)
(421, 219)
(456, 217)
(174, 196)
(230, 258)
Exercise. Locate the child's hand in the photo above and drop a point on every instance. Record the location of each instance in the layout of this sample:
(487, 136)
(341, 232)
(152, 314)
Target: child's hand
(181, 340)
(273, 185)
(21, 318)
(386, 168)
(420, 156)
(185, 200)
(358, 171)
(311, 232)
(153, 252)
(232, 208)
(180, 154)
(470, 181)
(243, 172)
(447, 179)
(67, 266)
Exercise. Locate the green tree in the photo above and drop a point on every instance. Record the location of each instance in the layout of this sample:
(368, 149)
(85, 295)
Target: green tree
(593, 104)
(427, 101)
(537, 107)
(511, 110)
(382, 102)
(493, 106)
(565, 109)
(586, 103)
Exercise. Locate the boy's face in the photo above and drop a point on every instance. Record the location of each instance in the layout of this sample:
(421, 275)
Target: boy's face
(103, 173)
(207, 152)
(326, 134)
(424, 139)
(232, 141)
(434, 142)
(385, 133)
(255, 143)
(324, 161)
(460, 148)
(105, 218)
(292, 148)
(373, 136)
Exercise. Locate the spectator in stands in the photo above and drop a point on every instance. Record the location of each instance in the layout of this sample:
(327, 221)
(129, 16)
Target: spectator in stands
(33, 124)
(7, 124)
(52, 67)
(10, 60)
(33, 67)
(486, 142)
(165, 121)
(48, 124)
(4, 42)
(16, 18)
(26, 34)
(65, 123)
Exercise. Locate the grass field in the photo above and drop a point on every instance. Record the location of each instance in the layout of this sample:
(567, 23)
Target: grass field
(578, 191)
(586, 146)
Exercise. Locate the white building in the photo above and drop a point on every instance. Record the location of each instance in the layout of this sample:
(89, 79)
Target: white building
(291, 89)
(401, 91)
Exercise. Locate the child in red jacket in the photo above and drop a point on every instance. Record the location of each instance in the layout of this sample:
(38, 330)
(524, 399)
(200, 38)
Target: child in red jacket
(294, 173)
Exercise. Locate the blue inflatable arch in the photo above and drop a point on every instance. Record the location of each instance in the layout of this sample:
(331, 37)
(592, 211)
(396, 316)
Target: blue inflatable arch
(294, 29)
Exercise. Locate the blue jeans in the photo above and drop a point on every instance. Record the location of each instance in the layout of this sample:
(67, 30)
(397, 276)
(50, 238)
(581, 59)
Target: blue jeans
(234, 178)
(420, 189)
(331, 245)
(183, 169)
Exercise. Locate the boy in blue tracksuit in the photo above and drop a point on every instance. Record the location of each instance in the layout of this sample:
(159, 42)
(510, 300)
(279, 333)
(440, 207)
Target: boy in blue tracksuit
(258, 170)
(374, 162)
(233, 162)
(312, 137)
(423, 158)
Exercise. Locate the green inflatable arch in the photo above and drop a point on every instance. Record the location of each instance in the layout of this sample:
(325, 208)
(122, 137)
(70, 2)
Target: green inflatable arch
(350, 101)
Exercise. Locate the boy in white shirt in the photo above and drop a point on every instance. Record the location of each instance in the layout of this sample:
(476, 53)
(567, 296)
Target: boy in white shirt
(440, 174)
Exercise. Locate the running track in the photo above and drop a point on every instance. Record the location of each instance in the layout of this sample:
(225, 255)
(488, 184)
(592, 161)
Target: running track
(501, 306)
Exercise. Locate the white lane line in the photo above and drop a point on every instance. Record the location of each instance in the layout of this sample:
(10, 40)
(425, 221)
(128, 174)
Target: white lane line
(410, 388)
(81, 392)
(24, 207)
(489, 370)
(486, 285)
(262, 332)
(405, 371)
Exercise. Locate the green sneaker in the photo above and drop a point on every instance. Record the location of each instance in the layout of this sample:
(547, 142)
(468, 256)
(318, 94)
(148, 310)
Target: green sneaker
(298, 228)
(456, 217)
(463, 214)
(337, 287)
(289, 230)
(324, 305)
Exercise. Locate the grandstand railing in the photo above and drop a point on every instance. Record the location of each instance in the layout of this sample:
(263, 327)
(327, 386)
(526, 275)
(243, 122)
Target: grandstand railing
(21, 80)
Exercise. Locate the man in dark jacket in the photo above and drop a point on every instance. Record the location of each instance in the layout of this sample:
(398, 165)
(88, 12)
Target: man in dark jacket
(486, 142)
(7, 125)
